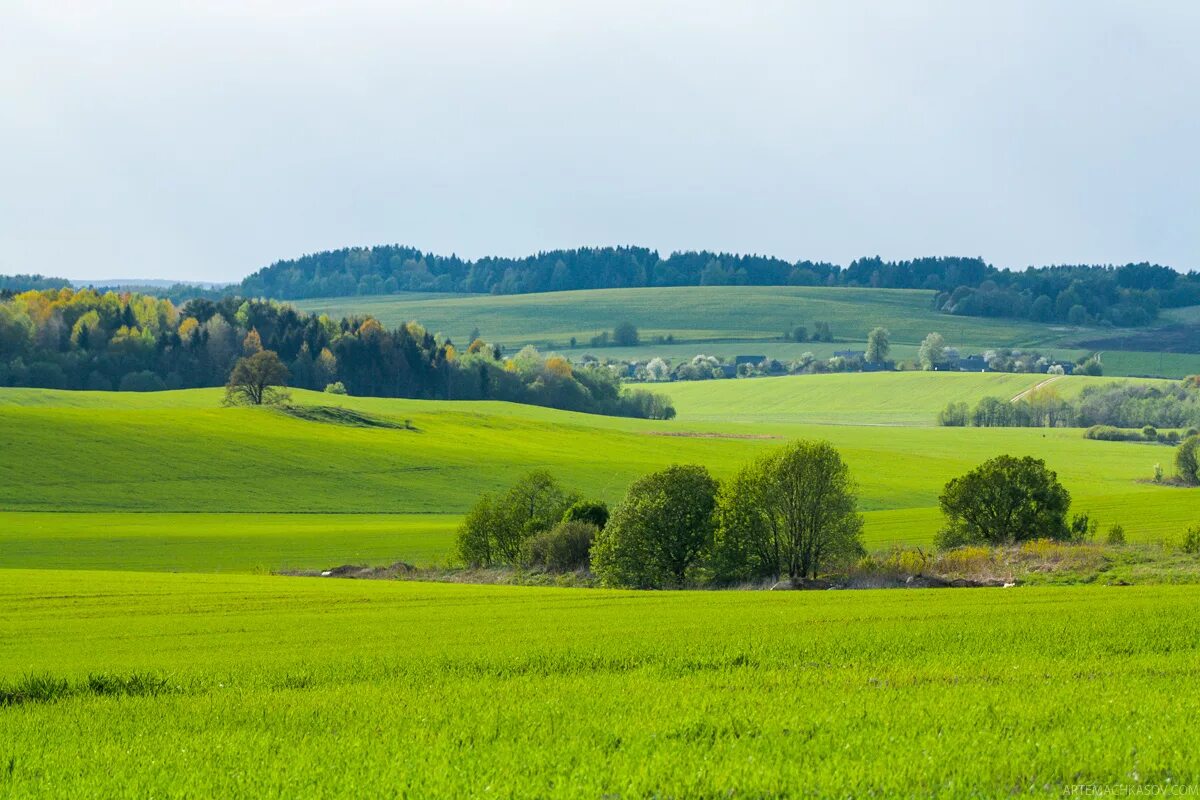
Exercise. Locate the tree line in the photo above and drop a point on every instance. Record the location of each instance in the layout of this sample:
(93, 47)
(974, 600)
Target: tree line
(1128, 295)
(792, 513)
(1120, 405)
(68, 339)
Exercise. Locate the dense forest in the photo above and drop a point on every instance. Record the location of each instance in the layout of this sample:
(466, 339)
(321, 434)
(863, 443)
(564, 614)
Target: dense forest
(1130, 295)
(68, 339)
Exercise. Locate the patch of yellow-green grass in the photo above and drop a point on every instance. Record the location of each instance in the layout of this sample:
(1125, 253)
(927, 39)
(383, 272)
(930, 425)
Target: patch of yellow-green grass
(215, 542)
(323, 688)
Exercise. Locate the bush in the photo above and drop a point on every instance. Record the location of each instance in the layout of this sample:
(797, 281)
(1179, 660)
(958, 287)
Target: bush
(337, 387)
(1150, 433)
(1116, 534)
(590, 511)
(1191, 541)
(564, 548)
(954, 415)
(1108, 433)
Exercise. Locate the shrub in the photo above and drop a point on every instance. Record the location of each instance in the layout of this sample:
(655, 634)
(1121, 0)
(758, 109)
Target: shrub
(954, 415)
(337, 387)
(1116, 534)
(591, 511)
(1191, 541)
(1107, 433)
(1150, 433)
(1083, 528)
(564, 548)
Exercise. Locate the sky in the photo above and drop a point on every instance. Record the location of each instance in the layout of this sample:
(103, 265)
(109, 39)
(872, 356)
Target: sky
(204, 140)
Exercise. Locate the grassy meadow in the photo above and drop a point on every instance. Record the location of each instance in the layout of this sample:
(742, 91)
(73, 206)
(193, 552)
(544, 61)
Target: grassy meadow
(173, 481)
(119, 679)
(253, 686)
(735, 320)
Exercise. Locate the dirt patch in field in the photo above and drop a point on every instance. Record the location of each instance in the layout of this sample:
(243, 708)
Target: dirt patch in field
(707, 435)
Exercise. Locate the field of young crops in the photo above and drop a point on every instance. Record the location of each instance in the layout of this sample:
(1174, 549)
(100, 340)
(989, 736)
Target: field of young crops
(251, 686)
(173, 481)
(727, 321)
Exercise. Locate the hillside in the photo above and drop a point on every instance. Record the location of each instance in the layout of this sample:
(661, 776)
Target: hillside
(734, 320)
(138, 466)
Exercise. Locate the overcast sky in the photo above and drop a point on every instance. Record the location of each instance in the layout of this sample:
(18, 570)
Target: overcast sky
(204, 140)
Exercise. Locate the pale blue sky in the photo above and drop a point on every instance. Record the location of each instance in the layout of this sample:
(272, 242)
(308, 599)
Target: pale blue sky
(204, 140)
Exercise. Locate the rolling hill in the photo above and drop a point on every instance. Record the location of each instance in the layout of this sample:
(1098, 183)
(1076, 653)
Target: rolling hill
(733, 320)
(172, 480)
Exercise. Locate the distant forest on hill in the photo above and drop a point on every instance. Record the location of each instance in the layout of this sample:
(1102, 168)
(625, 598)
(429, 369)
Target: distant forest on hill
(84, 339)
(1125, 296)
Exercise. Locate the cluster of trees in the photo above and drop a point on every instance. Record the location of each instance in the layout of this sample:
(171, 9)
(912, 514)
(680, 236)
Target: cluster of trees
(791, 513)
(12, 284)
(821, 332)
(68, 339)
(1127, 295)
(1119, 405)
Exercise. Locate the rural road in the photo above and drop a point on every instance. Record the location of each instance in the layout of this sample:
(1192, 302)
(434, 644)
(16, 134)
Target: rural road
(1046, 382)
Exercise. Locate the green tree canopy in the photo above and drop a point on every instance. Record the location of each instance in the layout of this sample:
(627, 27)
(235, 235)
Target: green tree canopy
(932, 353)
(1187, 460)
(497, 527)
(626, 335)
(790, 512)
(1002, 501)
(659, 531)
(879, 344)
(257, 379)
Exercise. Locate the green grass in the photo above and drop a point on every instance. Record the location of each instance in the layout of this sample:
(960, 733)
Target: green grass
(738, 320)
(220, 542)
(279, 686)
(692, 313)
(172, 481)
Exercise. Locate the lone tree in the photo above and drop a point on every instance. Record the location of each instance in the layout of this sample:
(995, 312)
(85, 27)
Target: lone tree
(932, 354)
(1187, 461)
(1002, 501)
(791, 512)
(626, 335)
(256, 380)
(879, 344)
(497, 527)
(659, 531)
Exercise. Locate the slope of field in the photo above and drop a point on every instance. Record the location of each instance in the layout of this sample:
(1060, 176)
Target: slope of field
(427, 690)
(743, 320)
(693, 313)
(146, 464)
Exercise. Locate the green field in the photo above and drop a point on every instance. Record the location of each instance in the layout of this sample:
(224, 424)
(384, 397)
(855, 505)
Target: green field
(738, 320)
(173, 481)
(302, 687)
(119, 680)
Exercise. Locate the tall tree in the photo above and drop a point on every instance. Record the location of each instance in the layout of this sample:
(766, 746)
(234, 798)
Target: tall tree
(879, 344)
(256, 380)
(659, 531)
(1002, 501)
(793, 511)
(932, 354)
